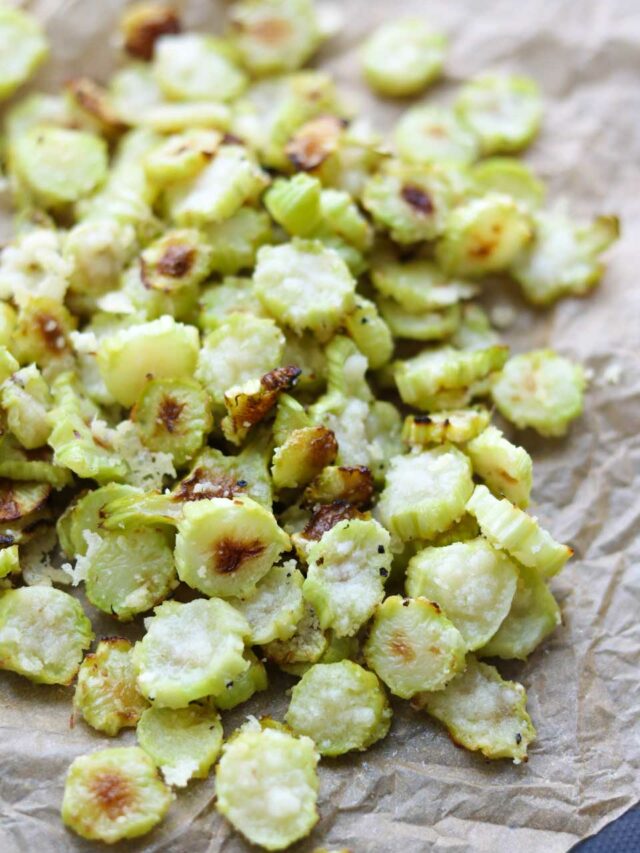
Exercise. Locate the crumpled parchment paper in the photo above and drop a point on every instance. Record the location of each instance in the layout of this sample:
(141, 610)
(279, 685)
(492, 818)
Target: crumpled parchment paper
(415, 791)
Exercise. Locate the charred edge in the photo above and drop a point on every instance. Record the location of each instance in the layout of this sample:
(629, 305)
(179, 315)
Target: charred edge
(281, 379)
(177, 260)
(113, 793)
(422, 419)
(169, 413)
(51, 333)
(327, 516)
(229, 139)
(146, 27)
(323, 448)
(10, 508)
(418, 199)
(92, 98)
(314, 142)
(230, 554)
(358, 484)
(214, 484)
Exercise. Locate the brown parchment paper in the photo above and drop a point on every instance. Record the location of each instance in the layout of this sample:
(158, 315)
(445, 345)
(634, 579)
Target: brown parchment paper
(415, 791)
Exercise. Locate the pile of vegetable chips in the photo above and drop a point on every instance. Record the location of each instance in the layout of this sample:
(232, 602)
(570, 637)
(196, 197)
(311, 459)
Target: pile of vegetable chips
(246, 398)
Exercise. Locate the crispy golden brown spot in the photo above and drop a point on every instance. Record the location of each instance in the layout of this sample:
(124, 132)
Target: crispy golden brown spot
(94, 100)
(113, 793)
(204, 483)
(401, 647)
(246, 410)
(323, 448)
(177, 260)
(51, 332)
(271, 31)
(486, 246)
(143, 25)
(169, 413)
(327, 516)
(9, 507)
(316, 140)
(418, 199)
(230, 554)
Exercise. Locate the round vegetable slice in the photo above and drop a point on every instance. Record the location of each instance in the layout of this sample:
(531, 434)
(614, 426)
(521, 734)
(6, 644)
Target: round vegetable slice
(340, 706)
(60, 166)
(427, 134)
(305, 286)
(161, 349)
(274, 36)
(506, 526)
(402, 57)
(504, 111)
(173, 416)
(444, 377)
(369, 332)
(419, 326)
(410, 201)
(23, 47)
(184, 743)
(190, 651)
(196, 67)
(346, 574)
(484, 235)
(43, 632)
(114, 794)
(564, 258)
(483, 712)
(540, 389)
(412, 646)
(425, 492)
(127, 573)
(472, 582)
(106, 692)
(224, 547)
(239, 349)
(267, 785)
(274, 608)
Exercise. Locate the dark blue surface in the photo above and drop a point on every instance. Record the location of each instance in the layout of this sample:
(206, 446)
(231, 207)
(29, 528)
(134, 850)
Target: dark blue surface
(621, 836)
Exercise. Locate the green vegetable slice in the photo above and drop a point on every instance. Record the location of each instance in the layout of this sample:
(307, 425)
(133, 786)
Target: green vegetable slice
(482, 712)
(184, 743)
(346, 574)
(275, 607)
(267, 785)
(403, 57)
(540, 389)
(472, 582)
(425, 492)
(106, 694)
(428, 134)
(503, 111)
(564, 258)
(340, 706)
(23, 47)
(412, 646)
(190, 651)
(43, 632)
(243, 686)
(224, 547)
(113, 794)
